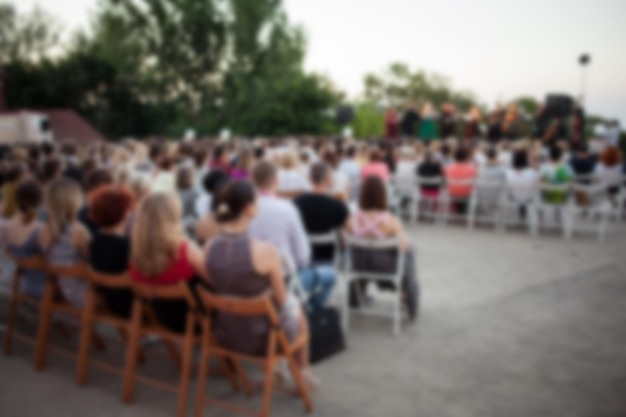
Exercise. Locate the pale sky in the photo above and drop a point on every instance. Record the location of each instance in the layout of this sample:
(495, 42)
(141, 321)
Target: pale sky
(498, 49)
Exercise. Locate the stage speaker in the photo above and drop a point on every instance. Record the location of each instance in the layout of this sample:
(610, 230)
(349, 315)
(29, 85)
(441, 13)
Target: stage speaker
(559, 105)
(344, 115)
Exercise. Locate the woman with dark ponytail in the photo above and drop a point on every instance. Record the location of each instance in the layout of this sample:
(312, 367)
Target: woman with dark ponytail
(241, 266)
(20, 236)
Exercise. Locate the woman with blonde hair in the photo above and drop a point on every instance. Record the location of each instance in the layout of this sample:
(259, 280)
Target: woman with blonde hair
(64, 239)
(290, 180)
(161, 254)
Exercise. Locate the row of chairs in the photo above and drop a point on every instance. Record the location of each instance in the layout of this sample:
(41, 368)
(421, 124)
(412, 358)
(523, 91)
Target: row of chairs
(492, 202)
(144, 322)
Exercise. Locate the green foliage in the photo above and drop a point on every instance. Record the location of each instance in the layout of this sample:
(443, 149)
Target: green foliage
(369, 121)
(398, 85)
(162, 66)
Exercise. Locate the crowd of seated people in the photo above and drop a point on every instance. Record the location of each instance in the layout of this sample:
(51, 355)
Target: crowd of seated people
(254, 204)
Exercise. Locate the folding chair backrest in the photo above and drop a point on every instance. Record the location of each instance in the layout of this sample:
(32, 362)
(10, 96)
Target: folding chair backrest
(376, 245)
(430, 181)
(120, 281)
(173, 292)
(257, 306)
(78, 270)
(30, 263)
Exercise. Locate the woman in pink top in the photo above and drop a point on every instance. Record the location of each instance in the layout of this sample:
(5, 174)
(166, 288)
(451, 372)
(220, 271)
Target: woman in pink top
(375, 167)
(373, 221)
(459, 176)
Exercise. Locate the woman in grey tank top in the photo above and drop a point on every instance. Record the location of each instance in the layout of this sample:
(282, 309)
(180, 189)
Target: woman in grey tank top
(244, 267)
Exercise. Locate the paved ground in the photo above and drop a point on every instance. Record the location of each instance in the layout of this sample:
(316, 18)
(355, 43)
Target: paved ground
(510, 326)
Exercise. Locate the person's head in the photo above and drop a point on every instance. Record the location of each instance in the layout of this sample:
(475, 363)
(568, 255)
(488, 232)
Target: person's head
(140, 186)
(47, 149)
(199, 157)
(156, 233)
(184, 178)
(155, 152)
(461, 154)
(289, 160)
(611, 156)
(555, 154)
(97, 178)
(219, 153)
(520, 159)
(321, 177)
(245, 159)
(28, 198)
(64, 198)
(265, 176)
(428, 156)
(331, 159)
(259, 153)
(213, 179)
(376, 156)
(14, 172)
(166, 163)
(373, 194)
(305, 158)
(491, 154)
(236, 201)
(581, 149)
(351, 152)
(110, 205)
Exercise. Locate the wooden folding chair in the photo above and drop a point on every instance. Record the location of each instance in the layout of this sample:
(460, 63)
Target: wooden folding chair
(144, 322)
(17, 298)
(53, 302)
(95, 311)
(278, 348)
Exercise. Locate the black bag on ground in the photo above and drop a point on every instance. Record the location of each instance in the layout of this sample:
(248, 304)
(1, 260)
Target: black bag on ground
(325, 333)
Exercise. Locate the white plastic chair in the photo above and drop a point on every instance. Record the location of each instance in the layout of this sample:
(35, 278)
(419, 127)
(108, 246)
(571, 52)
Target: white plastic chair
(394, 277)
(597, 210)
(406, 191)
(427, 206)
(484, 204)
(448, 200)
(509, 203)
(555, 215)
(330, 238)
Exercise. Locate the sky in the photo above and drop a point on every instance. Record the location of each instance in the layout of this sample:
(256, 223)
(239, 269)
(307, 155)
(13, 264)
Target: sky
(497, 49)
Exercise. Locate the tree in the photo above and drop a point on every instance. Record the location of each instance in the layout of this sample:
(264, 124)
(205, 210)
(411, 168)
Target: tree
(26, 38)
(398, 85)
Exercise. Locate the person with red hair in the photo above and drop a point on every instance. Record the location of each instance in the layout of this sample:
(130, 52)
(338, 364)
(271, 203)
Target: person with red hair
(109, 208)
(609, 170)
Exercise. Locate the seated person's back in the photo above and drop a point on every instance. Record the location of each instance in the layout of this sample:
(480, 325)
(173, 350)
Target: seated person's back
(20, 235)
(321, 213)
(109, 250)
(162, 255)
(278, 221)
(64, 239)
(459, 175)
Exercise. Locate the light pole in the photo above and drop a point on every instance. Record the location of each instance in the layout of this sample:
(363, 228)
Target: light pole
(584, 60)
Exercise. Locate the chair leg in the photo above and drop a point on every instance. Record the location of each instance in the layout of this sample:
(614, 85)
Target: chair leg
(86, 334)
(186, 365)
(299, 380)
(43, 330)
(11, 316)
(130, 367)
(203, 372)
(268, 390)
(245, 382)
(397, 316)
(269, 365)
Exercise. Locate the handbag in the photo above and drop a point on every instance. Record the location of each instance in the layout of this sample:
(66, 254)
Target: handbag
(326, 335)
